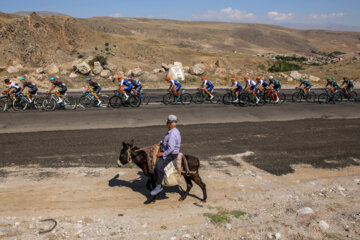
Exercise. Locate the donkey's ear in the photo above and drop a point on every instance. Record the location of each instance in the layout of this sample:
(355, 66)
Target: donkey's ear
(124, 145)
(131, 143)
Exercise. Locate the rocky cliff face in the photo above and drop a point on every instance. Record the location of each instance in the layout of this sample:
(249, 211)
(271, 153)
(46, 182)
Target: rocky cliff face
(35, 40)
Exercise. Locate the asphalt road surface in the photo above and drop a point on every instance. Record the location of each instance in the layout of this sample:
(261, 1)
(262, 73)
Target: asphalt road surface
(325, 136)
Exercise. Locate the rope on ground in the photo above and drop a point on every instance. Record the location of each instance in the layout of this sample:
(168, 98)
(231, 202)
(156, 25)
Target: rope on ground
(48, 220)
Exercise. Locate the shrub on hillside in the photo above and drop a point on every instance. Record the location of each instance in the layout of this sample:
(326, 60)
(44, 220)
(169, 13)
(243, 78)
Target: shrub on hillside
(283, 66)
(98, 58)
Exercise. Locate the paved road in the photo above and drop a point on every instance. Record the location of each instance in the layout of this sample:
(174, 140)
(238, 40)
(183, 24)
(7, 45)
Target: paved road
(279, 135)
(152, 115)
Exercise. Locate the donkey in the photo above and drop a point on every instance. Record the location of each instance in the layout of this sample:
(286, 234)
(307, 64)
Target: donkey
(129, 154)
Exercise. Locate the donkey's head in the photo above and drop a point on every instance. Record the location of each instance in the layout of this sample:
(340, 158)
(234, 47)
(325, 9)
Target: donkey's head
(125, 155)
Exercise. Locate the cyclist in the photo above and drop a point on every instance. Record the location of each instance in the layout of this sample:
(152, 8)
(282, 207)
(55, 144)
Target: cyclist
(334, 86)
(207, 86)
(276, 86)
(349, 85)
(125, 86)
(175, 86)
(261, 84)
(12, 85)
(32, 88)
(251, 86)
(61, 91)
(236, 87)
(137, 86)
(96, 88)
(307, 85)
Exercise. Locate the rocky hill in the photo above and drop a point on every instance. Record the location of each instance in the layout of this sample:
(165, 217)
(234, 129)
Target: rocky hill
(143, 45)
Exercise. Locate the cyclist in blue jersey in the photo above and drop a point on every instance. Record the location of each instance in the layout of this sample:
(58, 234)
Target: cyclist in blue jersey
(137, 86)
(261, 84)
(207, 86)
(96, 88)
(125, 86)
(250, 85)
(349, 85)
(307, 85)
(276, 86)
(175, 86)
(334, 86)
(236, 87)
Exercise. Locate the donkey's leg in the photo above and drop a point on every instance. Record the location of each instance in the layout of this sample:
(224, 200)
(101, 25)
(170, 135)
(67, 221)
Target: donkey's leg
(196, 178)
(189, 185)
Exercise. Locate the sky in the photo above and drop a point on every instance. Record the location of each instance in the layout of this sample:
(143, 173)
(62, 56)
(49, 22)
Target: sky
(344, 12)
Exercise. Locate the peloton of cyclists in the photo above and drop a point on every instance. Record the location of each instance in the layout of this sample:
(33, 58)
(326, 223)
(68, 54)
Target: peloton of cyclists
(96, 88)
(307, 85)
(207, 86)
(60, 92)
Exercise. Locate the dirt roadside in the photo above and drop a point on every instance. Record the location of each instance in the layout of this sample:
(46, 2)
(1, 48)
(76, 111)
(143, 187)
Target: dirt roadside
(108, 203)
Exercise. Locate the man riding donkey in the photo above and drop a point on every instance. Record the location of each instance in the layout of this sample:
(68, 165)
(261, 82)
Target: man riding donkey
(170, 148)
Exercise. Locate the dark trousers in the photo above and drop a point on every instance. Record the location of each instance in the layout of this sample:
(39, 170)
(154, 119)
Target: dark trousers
(160, 165)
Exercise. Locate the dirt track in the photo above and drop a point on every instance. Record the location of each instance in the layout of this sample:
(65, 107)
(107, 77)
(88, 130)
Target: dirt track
(269, 170)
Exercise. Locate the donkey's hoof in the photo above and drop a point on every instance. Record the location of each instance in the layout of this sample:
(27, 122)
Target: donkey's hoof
(203, 200)
(181, 199)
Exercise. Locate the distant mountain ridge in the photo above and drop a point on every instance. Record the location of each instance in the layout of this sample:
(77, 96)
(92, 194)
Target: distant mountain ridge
(40, 13)
(325, 26)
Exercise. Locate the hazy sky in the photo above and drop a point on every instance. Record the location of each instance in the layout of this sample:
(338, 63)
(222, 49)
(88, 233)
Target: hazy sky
(258, 11)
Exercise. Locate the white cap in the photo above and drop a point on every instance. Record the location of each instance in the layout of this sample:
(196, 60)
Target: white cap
(172, 118)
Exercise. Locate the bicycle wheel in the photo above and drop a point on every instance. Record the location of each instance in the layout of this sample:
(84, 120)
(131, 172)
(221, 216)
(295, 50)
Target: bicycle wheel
(337, 98)
(69, 103)
(282, 98)
(244, 100)
(134, 101)
(146, 99)
(352, 97)
(104, 100)
(20, 104)
(186, 98)
(215, 99)
(49, 104)
(3, 104)
(198, 98)
(311, 97)
(115, 102)
(85, 101)
(228, 98)
(38, 103)
(323, 98)
(169, 98)
(297, 97)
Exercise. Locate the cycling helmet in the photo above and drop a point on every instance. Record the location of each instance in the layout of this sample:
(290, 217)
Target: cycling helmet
(302, 79)
(233, 79)
(329, 79)
(258, 78)
(246, 77)
(167, 78)
(22, 78)
(271, 78)
(203, 78)
(119, 77)
(345, 78)
(52, 79)
(88, 79)
(7, 80)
